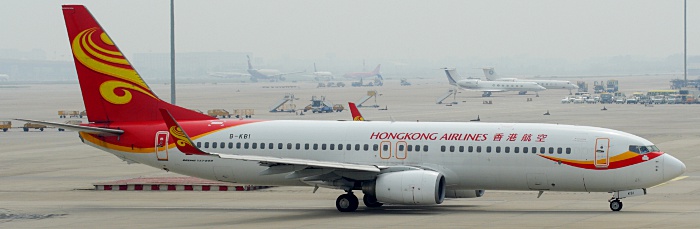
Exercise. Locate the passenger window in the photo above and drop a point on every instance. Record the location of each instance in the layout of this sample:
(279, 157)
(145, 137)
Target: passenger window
(306, 146)
(262, 145)
(568, 150)
(417, 148)
(498, 149)
(323, 146)
(238, 145)
(315, 146)
(488, 149)
(332, 146)
(230, 145)
(425, 148)
(298, 146)
(558, 150)
(289, 145)
(461, 149)
(551, 150)
(340, 146)
(357, 147)
(385, 147)
(478, 149)
(271, 145)
(206, 145)
(507, 149)
(452, 148)
(516, 149)
(375, 147)
(246, 145)
(525, 149)
(199, 144)
(534, 150)
(442, 148)
(255, 145)
(542, 150)
(280, 145)
(410, 147)
(401, 147)
(222, 145)
(366, 147)
(348, 147)
(470, 149)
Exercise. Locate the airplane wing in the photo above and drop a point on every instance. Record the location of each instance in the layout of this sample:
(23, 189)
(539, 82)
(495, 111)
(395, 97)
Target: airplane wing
(86, 129)
(287, 73)
(229, 74)
(185, 144)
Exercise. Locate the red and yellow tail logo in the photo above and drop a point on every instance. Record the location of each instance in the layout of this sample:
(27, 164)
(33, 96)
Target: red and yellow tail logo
(112, 89)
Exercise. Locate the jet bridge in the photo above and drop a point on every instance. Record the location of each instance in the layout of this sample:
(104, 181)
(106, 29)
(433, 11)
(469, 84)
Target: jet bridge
(451, 92)
(370, 94)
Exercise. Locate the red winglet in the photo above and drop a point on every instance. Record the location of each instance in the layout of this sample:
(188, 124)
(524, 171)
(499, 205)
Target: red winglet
(356, 116)
(182, 141)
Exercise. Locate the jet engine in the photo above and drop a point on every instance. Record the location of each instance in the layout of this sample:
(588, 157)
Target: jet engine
(412, 187)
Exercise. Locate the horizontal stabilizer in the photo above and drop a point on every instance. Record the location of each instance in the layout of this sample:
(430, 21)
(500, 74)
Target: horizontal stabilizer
(86, 129)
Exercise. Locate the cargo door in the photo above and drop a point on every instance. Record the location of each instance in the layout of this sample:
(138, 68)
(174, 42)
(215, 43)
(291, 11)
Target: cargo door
(161, 145)
(602, 147)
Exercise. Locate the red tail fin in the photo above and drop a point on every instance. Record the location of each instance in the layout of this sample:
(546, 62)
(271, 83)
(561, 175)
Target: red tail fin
(376, 70)
(356, 116)
(112, 90)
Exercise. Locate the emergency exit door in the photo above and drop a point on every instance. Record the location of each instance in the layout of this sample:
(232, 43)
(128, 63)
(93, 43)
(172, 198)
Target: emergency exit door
(161, 145)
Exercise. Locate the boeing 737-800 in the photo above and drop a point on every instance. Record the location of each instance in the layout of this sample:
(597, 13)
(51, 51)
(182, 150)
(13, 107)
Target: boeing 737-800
(404, 163)
(490, 86)
(549, 84)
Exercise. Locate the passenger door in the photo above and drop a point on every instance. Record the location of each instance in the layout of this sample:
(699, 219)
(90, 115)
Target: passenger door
(602, 148)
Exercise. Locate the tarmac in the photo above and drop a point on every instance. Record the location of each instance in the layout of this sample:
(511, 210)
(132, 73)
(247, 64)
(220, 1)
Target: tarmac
(47, 177)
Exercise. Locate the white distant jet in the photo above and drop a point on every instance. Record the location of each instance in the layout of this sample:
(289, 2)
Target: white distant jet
(549, 84)
(490, 86)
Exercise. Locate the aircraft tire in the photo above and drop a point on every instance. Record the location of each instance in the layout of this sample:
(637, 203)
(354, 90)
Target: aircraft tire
(347, 203)
(371, 201)
(616, 205)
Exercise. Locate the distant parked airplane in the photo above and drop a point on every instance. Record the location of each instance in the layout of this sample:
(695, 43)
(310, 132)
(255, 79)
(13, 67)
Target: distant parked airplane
(549, 84)
(490, 86)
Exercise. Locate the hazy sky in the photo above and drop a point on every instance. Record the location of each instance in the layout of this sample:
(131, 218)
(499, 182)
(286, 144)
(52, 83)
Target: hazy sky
(370, 28)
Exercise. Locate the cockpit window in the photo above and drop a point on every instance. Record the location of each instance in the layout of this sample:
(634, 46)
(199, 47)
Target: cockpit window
(643, 149)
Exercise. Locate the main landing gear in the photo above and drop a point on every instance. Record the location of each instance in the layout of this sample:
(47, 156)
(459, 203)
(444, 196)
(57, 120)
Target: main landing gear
(486, 94)
(348, 202)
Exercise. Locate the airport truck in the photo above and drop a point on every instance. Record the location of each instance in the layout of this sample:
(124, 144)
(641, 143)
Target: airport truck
(28, 126)
(5, 125)
(219, 112)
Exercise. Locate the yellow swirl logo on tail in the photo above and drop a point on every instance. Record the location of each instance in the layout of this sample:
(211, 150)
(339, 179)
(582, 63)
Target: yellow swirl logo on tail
(94, 53)
(180, 135)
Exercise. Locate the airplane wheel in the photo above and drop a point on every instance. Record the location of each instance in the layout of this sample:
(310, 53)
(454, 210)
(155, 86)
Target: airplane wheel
(347, 203)
(371, 201)
(616, 205)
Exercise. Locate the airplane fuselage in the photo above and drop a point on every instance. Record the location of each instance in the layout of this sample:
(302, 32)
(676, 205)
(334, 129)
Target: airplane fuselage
(474, 84)
(491, 156)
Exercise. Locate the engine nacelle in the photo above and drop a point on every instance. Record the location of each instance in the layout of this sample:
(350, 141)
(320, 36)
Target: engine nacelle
(414, 187)
(464, 193)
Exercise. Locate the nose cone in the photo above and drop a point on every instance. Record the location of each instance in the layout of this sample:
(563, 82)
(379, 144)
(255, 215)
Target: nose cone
(672, 167)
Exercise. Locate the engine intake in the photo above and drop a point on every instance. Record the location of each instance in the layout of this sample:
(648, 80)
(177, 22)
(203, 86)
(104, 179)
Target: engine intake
(413, 187)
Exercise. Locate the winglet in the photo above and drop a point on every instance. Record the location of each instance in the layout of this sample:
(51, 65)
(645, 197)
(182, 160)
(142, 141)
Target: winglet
(356, 116)
(182, 141)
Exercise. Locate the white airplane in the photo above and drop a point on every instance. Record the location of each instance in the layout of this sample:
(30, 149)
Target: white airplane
(266, 74)
(490, 86)
(549, 84)
(403, 163)
(322, 75)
